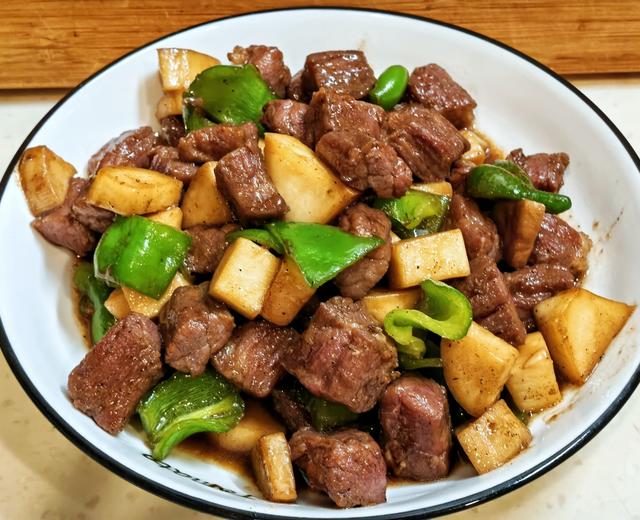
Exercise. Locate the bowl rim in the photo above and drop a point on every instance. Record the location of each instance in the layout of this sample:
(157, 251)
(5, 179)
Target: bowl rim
(231, 512)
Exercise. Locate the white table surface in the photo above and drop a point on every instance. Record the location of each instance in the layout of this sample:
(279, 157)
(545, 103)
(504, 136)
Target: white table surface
(43, 476)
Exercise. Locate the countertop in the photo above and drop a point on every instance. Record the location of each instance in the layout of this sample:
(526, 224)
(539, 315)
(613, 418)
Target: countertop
(44, 476)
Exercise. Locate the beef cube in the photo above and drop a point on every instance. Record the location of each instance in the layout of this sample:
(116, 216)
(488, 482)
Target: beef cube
(347, 465)
(364, 221)
(172, 128)
(269, 62)
(292, 412)
(242, 179)
(207, 248)
(427, 142)
(252, 358)
(432, 86)
(330, 111)
(416, 428)
(344, 356)
(285, 117)
(60, 226)
(346, 72)
(559, 243)
(132, 148)
(364, 162)
(166, 159)
(479, 232)
(531, 285)
(295, 91)
(212, 143)
(546, 170)
(460, 170)
(95, 218)
(194, 327)
(492, 304)
(117, 372)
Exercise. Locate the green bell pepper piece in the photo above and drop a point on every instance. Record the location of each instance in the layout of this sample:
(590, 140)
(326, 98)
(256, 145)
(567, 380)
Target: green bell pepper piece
(321, 251)
(97, 292)
(390, 87)
(410, 363)
(324, 415)
(183, 405)
(259, 236)
(141, 254)
(194, 118)
(415, 213)
(445, 311)
(490, 181)
(230, 94)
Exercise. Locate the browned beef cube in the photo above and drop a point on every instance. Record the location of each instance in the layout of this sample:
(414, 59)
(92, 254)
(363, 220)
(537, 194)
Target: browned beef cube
(212, 143)
(242, 178)
(290, 410)
(252, 358)
(531, 285)
(364, 162)
(95, 218)
(365, 221)
(166, 159)
(295, 90)
(559, 243)
(546, 170)
(285, 117)
(479, 232)
(60, 226)
(346, 72)
(347, 465)
(194, 327)
(132, 148)
(427, 142)
(330, 111)
(117, 372)
(207, 248)
(432, 86)
(492, 304)
(344, 356)
(269, 62)
(416, 428)
(172, 129)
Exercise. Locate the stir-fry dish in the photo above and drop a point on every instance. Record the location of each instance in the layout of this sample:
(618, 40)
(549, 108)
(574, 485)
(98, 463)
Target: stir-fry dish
(348, 251)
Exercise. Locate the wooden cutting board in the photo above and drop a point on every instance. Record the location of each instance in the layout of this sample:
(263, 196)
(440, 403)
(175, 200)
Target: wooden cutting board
(57, 43)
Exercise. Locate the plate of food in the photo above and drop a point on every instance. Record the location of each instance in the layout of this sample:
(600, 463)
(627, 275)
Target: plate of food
(323, 263)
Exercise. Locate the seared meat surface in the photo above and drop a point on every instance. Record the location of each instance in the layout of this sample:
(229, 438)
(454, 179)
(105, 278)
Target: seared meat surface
(347, 465)
(416, 428)
(166, 159)
(207, 248)
(194, 327)
(364, 221)
(252, 358)
(172, 128)
(346, 72)
(433, 87)
(285, 116)
(132, 148)
(546, 170)
(343, 356)
(117, 372)
(269, 62)
(479, 231)
(212, 143)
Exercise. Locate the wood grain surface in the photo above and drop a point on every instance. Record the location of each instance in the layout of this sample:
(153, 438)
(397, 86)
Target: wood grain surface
(57, 43)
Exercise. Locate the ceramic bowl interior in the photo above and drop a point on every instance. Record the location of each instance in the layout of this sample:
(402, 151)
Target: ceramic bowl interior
(520, 104)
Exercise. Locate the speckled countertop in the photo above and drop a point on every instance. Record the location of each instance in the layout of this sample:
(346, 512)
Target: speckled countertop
(44, 476)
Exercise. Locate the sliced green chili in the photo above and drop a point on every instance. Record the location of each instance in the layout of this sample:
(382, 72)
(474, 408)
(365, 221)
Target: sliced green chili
(183, 405)
(141, 254)
(390, 87)
(194, 118)
(415, 213)
(321, 251)
(409, 363)
(445, 312)
(97, 292)
(259, 236)
(230, 94)
(490, 181)
(324, 415)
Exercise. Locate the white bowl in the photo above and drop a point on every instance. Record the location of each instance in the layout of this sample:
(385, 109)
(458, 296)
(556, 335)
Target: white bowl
(520, 103)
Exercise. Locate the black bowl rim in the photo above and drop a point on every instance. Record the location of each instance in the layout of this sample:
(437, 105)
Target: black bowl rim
(231, 512)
